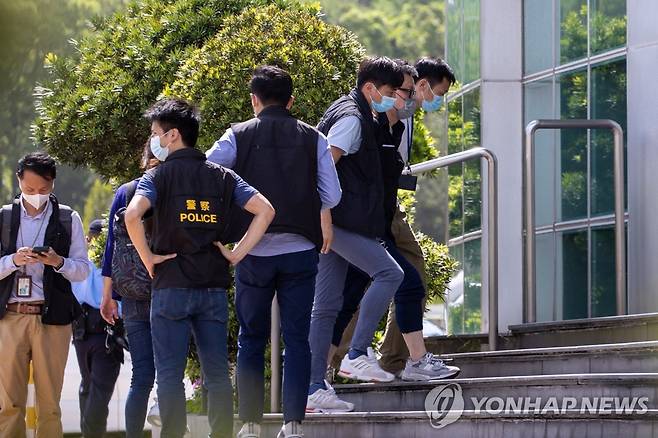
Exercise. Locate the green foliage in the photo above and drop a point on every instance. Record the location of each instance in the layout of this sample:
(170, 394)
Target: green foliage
(440, 267)
(90, 110)
(321, 58)
(98, 202)
(395, 28)
(97, 247)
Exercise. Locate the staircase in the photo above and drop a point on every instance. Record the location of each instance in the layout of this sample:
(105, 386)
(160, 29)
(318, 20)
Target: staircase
(601, 360)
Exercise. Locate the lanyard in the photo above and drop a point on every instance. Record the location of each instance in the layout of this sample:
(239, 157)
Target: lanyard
(410, 139)
(43, 221)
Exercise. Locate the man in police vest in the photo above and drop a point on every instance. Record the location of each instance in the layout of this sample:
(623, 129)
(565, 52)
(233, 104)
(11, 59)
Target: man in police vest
(191, 199)
(42, 250)
(290, 163)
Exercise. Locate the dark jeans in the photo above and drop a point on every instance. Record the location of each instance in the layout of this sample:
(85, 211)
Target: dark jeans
(408, 298)
(175, 315)
(292, 276)
(141, 383)
(99, 371)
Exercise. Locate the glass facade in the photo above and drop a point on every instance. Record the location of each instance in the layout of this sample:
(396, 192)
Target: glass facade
(464, 193)
(575, 67)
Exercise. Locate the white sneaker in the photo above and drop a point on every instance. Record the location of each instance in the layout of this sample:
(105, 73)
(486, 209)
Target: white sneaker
(364, 368)
(249, 430)
(326, 400)
(292, 429)
(429, 367)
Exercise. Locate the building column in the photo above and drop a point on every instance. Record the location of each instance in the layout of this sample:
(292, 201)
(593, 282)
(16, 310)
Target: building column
(642, 165)
(501, 66)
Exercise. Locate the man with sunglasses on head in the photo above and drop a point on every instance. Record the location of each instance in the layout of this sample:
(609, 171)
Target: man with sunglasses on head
(403, 349)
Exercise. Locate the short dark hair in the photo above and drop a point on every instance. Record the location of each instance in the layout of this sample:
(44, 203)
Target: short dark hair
(380, 71)
(179, 114)
(407, 68)
(435, 70)
(271, 84)
(38, 162)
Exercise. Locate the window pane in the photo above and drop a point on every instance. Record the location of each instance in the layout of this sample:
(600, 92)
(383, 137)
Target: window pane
(607, 25)
(573, 30)
(471, 40)
(573, 146)
(472, 168)
(603, 272)
(608, 102)
(456, 293)
(537, 35)
(455, 49)
(539, 105)
(472, 287)
(545, 277)
(573, 275)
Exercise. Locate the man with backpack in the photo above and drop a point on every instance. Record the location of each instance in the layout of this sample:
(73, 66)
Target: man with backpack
(42, 250)
(191, 199)
(99, 365)
(291, 164)
(126, 279)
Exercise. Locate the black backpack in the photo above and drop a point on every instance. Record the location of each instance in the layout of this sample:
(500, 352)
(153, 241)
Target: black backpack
(130, 278)
(5, 221)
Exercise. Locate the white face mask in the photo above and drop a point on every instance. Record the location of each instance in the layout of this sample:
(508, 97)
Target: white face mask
(160, 152)
(35, 201)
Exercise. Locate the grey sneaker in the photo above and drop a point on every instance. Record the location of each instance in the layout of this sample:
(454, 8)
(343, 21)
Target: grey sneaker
(429, 367)
(292, 429)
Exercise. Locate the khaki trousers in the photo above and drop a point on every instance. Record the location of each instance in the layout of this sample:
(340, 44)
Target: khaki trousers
(24, 338)
(394, 352)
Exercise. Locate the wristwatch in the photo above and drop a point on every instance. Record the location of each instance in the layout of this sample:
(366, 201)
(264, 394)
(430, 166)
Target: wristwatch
(58, 267)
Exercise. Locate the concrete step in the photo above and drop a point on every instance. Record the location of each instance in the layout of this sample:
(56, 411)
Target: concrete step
(411, 396)
(636, 357)
(604, 330)
(416, 424)
(589, 331)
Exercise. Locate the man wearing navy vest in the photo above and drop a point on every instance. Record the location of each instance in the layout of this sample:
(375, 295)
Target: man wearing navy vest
(290, 163)
(350, 124)
(191, 200)
(43, 249)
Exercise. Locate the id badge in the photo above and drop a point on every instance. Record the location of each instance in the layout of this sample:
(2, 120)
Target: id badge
(407, 182)
(24, 286)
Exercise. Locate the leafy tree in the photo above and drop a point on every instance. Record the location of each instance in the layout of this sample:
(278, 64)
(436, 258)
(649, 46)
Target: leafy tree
(98, 202)
(321, 58)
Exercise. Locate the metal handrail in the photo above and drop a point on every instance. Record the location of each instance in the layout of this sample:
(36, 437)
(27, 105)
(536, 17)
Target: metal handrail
(529, 206)
(492, 221)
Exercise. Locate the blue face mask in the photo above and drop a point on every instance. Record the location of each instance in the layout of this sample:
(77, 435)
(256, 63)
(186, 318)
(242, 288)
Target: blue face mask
(161, 153)
(434, 104)
(386, 103)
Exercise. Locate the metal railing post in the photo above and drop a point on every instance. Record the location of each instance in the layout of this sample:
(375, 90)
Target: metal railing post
(275, 358)
(529, 207)
(491, 217)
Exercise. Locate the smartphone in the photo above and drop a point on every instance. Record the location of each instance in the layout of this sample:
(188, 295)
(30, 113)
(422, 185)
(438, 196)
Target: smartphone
(41, 249)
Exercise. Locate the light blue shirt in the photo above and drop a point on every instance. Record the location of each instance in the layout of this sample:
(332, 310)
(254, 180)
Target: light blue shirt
(224, 152)
(32, 233)
(345, 134)
(90, 291)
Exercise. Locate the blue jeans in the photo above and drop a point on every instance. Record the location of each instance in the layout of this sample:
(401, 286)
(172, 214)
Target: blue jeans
(175, 314)
(292, 276)
(408, 298)
(141, 355)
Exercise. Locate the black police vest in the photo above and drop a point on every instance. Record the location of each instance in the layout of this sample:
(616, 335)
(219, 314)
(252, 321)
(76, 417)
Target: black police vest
(361, 209)
(193, 201)
(278, 155)
(392, 165)
(60, 305)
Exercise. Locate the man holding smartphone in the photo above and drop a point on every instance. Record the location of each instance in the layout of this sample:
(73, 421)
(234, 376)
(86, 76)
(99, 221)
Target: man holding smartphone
(42, 250)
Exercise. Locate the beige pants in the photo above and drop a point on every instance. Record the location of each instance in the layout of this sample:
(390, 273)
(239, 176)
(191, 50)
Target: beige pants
(393, 350)
(24, 338)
